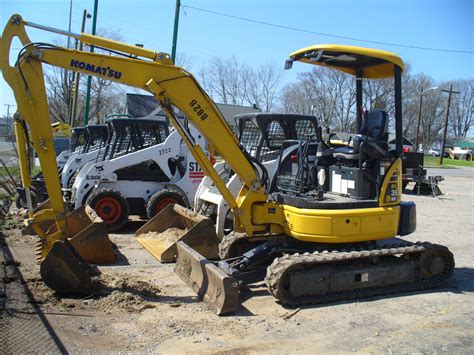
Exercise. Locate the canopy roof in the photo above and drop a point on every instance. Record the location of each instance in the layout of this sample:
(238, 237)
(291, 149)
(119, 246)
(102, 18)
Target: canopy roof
(372, 63)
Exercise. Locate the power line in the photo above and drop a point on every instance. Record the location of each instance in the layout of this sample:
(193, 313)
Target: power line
(324, 34)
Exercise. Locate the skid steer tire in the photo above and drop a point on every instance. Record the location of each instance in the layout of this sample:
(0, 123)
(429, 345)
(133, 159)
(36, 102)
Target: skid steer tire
(111, 206)
(161, 199)
(72, 179)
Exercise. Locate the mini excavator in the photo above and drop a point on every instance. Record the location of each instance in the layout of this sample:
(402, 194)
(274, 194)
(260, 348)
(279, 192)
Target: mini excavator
(317, 234)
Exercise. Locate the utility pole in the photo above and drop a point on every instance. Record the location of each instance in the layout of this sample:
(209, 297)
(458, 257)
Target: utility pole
(441, 153)
(7, 130)
(77, 75)
(175, 31)
(66, 72)
(89, 78)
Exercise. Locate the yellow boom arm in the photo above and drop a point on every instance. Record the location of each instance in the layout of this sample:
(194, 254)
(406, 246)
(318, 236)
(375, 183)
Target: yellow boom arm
(170, 84)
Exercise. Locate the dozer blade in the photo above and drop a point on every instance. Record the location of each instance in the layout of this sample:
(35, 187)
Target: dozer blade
(219, 291)
(176, 223)
(65, 271)
(87, 233)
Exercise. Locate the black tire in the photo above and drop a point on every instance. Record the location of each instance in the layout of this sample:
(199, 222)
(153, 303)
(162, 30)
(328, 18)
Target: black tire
(20, 203)
(72, 179)
(161, 199)
(111, 206)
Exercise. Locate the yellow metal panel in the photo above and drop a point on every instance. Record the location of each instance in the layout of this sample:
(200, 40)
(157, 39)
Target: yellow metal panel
(346, 225)
(341, 226)
(391, 190)
(374, 72)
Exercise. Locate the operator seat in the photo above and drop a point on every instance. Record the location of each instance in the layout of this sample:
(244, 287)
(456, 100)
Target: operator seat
(372, 140)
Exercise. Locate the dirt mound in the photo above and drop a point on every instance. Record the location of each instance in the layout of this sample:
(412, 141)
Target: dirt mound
(121, 292)
(126, 292)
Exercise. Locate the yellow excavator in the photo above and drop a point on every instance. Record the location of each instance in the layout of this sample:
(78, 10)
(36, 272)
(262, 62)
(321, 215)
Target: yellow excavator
(68, 241)
(313, 233)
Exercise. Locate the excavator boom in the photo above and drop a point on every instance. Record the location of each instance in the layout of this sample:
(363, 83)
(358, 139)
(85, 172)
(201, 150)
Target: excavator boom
(51, 222)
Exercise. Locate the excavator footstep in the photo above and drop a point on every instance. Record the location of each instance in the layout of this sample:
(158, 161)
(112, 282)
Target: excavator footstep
(219, 291)
(65, 271)
(176, 223)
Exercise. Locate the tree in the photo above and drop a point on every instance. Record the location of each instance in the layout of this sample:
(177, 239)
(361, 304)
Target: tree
(262, 86)
(106, 96)
(462, 109)
(328, 94)
(228, 81)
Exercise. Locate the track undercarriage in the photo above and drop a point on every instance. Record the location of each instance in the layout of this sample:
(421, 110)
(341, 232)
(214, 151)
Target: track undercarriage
(299, 273)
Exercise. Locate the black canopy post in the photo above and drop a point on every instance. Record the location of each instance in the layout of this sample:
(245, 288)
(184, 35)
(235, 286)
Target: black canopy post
(398, 110)
(359, 100)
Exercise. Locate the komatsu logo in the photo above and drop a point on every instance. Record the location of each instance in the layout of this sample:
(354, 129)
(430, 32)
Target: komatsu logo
(106, 71)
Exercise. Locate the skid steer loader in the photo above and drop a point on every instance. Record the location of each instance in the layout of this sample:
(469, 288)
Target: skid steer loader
(345, 201)
(97, 136)
(67, 241)
(143, 169)
(77, 140)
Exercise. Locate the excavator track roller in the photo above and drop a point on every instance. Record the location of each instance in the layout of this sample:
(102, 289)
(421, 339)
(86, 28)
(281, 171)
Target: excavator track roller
(176, 223)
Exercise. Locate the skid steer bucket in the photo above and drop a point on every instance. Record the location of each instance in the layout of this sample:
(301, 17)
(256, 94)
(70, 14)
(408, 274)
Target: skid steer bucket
(65, 271)
(176, 223)
(87, 234)
(219, 291)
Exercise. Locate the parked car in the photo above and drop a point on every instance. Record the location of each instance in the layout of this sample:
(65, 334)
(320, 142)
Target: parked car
(433, 152)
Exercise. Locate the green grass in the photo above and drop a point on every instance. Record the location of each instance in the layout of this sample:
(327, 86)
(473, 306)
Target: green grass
(14, 171)
(433, 162)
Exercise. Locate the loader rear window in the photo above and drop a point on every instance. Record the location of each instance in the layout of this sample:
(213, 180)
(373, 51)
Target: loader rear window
(250, 138)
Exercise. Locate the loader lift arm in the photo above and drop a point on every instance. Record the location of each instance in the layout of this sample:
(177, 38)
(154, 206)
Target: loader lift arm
(170, 84)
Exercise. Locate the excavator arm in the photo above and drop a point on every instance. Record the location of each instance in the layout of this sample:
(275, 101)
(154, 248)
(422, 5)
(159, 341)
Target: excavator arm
(136, 67)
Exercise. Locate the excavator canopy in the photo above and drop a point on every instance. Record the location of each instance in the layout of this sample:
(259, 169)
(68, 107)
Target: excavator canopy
(357, 61)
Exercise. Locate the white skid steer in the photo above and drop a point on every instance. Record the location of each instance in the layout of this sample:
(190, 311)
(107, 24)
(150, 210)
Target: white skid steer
(143, 169)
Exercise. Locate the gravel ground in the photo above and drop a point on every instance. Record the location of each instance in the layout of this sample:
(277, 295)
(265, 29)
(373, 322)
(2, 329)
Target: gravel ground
(148, 308)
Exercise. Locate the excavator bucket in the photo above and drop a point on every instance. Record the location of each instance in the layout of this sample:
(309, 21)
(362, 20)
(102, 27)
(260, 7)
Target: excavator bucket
(219, 291)
(65, 271)
(176, 223)
(87, 234)
(65, 265)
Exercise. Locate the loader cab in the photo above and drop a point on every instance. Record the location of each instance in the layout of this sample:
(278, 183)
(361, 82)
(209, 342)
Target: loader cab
(367, 171)
(129, 135)
(262, 134)
(79, 136)
(97, 137)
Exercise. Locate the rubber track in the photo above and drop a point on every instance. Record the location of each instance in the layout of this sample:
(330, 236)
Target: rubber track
(226, 243)
(230, 239)
(276, 272)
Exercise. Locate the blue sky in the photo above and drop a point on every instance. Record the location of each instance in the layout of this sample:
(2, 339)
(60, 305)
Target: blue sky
(447, 24)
